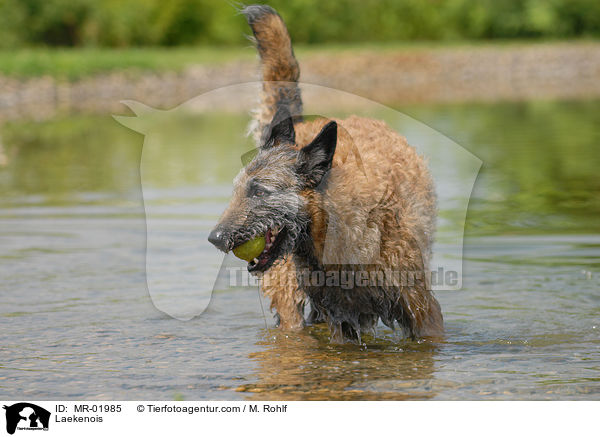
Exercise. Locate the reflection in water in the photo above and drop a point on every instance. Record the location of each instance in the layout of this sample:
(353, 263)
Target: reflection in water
(539, 174)
(540, 163)
(306, 366)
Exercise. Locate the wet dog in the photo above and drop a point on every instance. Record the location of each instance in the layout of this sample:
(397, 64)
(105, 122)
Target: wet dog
(347, 209)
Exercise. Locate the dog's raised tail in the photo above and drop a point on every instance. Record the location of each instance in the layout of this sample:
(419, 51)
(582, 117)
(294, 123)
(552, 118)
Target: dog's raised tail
(280, 70)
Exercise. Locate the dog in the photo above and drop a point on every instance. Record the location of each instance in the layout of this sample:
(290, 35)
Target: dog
(347, 209)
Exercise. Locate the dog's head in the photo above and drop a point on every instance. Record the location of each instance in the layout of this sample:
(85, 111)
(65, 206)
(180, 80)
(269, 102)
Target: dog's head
(269, 194)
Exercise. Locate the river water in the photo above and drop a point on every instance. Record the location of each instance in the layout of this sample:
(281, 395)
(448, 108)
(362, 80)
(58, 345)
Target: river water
(77, 320)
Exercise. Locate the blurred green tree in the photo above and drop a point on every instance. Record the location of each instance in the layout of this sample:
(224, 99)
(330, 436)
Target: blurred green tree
(119, 23)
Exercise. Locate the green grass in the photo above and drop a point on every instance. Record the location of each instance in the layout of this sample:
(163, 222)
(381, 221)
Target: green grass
(76, 63)
(72, 64)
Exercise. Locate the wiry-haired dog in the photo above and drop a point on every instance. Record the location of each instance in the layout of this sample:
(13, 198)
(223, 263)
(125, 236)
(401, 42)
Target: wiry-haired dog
(334, 199)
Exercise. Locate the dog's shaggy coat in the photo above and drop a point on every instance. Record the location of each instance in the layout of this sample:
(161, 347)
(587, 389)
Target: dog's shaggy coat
(347, 196)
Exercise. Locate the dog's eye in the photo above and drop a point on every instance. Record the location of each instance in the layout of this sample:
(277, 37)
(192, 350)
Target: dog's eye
(255, 190)
(259, 192)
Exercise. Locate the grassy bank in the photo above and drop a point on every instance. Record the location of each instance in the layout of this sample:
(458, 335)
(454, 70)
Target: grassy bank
(72, 64)
(77, 63)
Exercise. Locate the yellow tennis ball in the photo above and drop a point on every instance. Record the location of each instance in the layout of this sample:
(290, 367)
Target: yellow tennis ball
(250, 249)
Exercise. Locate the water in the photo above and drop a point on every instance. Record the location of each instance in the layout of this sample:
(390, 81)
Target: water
(76, 319)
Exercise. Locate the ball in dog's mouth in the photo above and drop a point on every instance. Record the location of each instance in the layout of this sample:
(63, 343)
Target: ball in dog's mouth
(271, 251)
(251, 248)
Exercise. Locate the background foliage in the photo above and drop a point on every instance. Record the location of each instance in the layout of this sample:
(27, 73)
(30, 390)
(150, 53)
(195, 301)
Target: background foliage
(123, 23)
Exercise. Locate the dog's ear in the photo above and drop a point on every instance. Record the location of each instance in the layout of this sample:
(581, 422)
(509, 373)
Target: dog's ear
(281, 129)
(314, 160)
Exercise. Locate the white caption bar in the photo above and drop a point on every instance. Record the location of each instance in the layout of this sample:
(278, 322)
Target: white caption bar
(66, 418)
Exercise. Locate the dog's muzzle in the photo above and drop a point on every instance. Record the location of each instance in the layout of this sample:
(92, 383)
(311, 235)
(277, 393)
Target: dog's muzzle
(219, 239)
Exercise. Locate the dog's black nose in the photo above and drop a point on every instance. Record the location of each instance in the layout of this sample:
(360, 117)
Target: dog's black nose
(219, 239)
